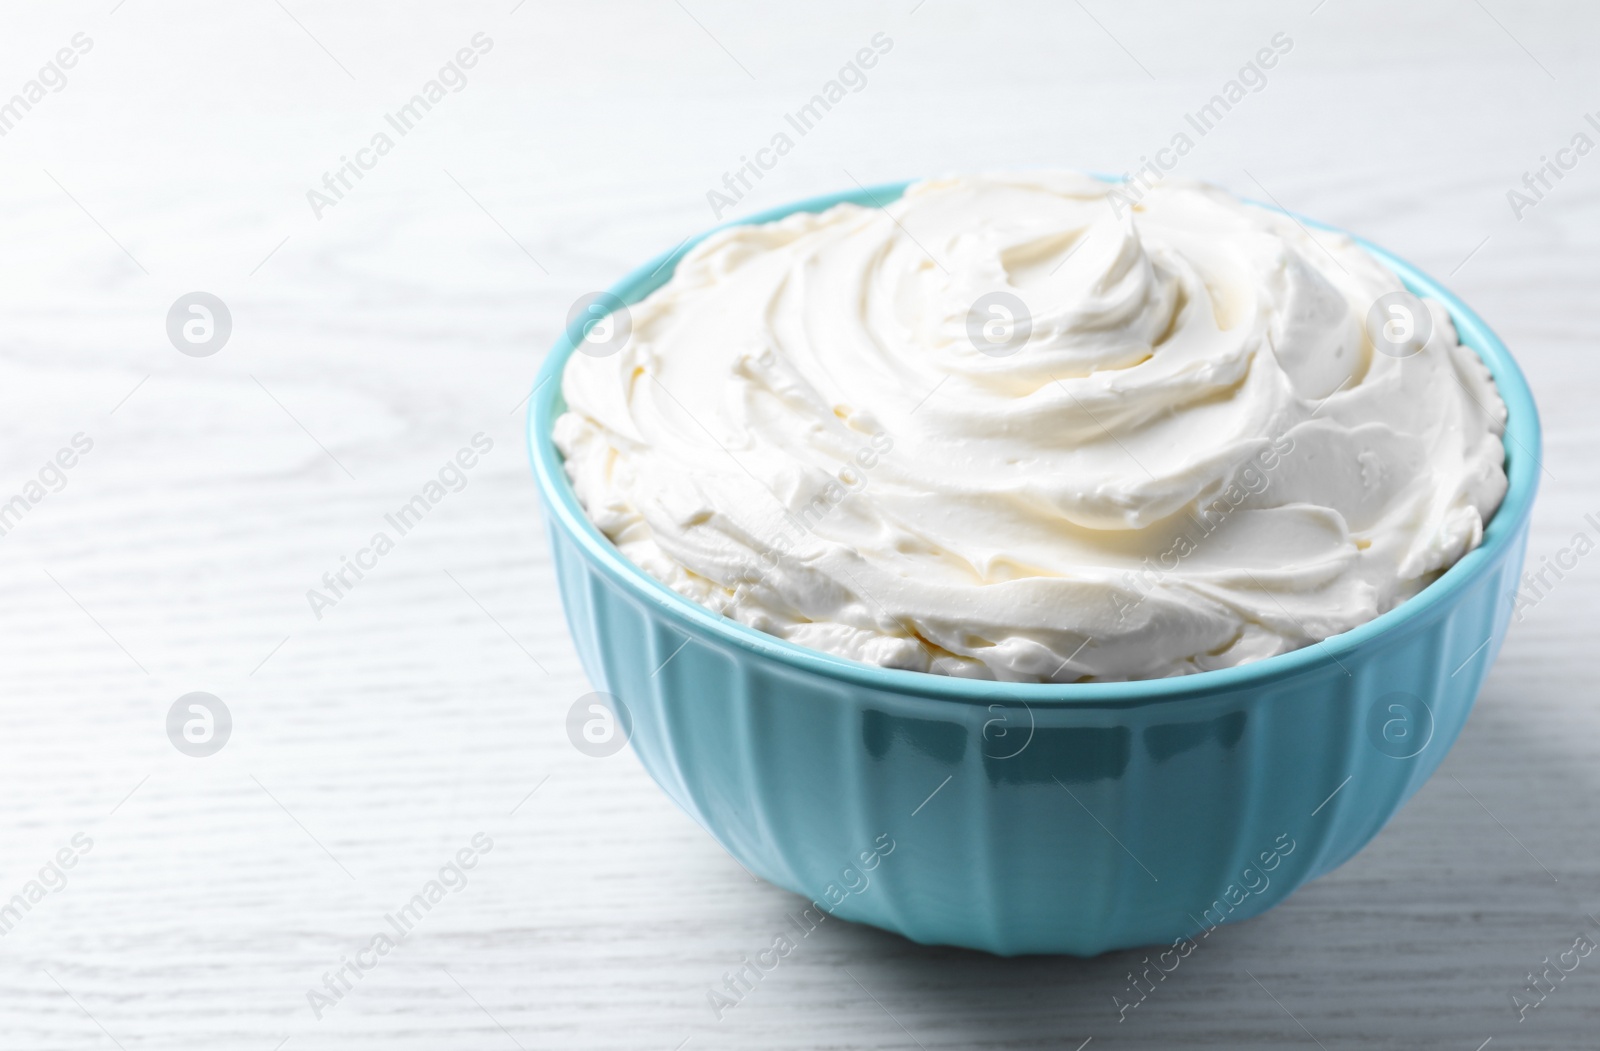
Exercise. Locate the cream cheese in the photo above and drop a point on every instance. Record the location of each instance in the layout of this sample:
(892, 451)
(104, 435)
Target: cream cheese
(1021, 427)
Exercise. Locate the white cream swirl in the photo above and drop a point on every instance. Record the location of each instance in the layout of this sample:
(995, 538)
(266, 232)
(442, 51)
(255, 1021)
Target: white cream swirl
(1197, 458)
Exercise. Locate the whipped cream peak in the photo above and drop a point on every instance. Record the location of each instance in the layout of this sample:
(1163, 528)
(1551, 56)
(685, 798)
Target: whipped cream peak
(1014, 427)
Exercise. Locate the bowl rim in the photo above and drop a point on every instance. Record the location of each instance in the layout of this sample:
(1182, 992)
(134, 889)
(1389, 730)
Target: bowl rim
(1521, 441)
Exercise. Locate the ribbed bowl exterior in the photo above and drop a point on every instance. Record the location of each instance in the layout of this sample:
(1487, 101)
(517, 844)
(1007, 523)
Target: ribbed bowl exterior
(1044, 819)
(1049, 829)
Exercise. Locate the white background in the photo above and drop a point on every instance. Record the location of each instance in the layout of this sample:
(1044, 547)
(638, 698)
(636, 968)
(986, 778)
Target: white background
(372, 343)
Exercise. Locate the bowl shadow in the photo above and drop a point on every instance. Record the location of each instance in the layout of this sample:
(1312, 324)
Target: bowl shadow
(1420, 940)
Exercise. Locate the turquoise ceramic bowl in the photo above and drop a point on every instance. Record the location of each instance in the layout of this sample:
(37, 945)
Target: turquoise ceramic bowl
(1024, 817)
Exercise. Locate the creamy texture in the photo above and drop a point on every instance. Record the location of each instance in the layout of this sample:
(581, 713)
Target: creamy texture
(1198, 458)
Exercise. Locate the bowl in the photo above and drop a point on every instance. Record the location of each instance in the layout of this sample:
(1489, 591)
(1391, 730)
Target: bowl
(1028, 817)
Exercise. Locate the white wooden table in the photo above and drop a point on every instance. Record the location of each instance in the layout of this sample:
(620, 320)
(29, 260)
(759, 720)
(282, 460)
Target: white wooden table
(372, 341)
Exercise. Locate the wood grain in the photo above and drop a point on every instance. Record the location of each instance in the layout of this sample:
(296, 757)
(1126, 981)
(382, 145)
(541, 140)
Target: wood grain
(373, 342)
